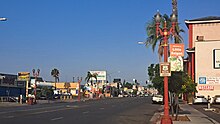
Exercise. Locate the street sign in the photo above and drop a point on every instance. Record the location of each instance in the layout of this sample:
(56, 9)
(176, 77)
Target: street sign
(23, 76)
(177, 49)
(165, 69)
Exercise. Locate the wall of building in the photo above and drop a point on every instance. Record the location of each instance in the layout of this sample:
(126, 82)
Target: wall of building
(210, 31)
(206, 76)
(65, 87)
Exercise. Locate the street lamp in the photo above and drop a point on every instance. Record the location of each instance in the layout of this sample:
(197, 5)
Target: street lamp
(79, 93)
(35, 74)
(3, 19)
(141, 42)
(165, 32)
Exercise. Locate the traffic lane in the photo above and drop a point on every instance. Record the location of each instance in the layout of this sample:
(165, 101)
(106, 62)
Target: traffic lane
(97, 111)
(30, 110)
(135, 111)
(213, 115)
(43, 116)
(4, 109)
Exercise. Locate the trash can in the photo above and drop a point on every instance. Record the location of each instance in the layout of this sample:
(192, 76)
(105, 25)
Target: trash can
(30, 101)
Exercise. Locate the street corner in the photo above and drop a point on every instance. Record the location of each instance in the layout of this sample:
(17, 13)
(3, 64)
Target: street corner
(156, 118)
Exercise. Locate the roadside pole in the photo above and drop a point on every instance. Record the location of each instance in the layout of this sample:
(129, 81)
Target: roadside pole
(79, 89)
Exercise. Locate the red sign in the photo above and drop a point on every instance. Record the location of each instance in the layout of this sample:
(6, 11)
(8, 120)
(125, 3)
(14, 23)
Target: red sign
(206, 87)
(176, 49)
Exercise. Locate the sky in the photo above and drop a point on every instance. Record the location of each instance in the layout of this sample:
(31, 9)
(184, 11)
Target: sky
(76, 36)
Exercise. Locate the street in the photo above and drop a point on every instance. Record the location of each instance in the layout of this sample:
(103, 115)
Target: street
(130, 110)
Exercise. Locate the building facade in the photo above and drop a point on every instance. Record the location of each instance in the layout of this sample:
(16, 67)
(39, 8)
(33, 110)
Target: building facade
(203, 61)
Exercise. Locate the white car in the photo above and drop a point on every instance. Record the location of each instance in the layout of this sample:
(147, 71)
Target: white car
(157, 99)
(199, 99)
(216, 99)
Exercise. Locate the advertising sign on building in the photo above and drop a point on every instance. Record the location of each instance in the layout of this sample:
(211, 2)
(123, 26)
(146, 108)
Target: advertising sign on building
(202, 80)
(8, 80)
(216, 57)
(176, 63)
(101, 75)
(177, 49)
(165, 69)
(23, 76)
(209, 80)
(206, 87)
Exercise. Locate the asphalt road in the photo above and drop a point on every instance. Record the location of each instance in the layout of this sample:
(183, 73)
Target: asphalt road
(212, 114)
(131, 110)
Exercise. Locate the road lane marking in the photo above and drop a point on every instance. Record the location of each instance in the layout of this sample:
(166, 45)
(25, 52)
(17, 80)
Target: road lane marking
(54, 119)
(85, 112)
(33, 109)
(55, 108)
(49, 111)
(9, 116)
(72, 106)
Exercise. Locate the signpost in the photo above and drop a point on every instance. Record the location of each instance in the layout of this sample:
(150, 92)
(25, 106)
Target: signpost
(24, 76)
(177, 49)
(165, 69)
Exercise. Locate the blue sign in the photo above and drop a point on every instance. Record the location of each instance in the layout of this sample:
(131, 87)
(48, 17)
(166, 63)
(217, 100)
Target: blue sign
(202, 80)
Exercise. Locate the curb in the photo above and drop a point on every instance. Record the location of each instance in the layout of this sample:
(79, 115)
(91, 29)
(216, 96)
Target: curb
(155, 118)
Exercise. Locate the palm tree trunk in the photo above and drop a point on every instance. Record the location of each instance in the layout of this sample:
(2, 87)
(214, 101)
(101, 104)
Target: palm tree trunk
(174, 7)
(55, 83)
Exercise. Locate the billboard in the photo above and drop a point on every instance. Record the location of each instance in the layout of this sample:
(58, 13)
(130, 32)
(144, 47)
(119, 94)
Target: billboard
(23, 76)
(101, 75)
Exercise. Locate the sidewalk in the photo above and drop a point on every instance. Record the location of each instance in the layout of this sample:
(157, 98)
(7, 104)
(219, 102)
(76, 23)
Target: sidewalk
(194, 116)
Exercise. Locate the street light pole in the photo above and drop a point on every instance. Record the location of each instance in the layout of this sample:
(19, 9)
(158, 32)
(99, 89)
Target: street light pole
(35, 74)
(165, 32)
(79, 90)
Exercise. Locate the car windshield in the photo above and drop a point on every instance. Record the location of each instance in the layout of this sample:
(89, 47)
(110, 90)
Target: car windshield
(160, 96)
(200, 96)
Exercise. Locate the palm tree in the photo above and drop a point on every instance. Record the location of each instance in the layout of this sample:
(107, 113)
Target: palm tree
(55, 73)
(174, 6)
(153, 39)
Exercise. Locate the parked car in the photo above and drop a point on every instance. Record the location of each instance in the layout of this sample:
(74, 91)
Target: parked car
(157, 99)
(216, 99)
(56, 96)
(199, 99)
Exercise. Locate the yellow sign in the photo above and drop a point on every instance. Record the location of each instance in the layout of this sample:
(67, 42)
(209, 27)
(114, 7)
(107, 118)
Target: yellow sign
(23, 76)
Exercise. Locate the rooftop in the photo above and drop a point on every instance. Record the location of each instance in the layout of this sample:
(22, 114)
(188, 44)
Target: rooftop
(208, 19)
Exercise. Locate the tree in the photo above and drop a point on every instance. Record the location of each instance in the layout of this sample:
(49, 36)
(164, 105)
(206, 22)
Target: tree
(174, 7)
(154, 75)
(128, 85)
(55, 73)
(153, 39)
(189, 87)
(150, 86)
